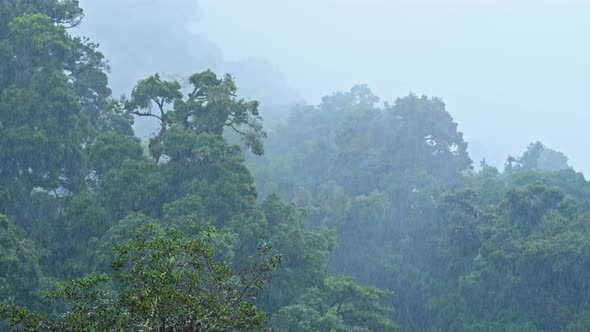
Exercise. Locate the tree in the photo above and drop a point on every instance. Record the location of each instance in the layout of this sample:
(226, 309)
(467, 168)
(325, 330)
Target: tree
(144, 188)
(110, 150)
(209, 107)
(162, 280)
(38, 149)
(305, 253)
(430, 136)
(54, 102)
(376, 175)
(20, 272)
(552, 160)
(62, 12)
(538, 157)
(337, 304)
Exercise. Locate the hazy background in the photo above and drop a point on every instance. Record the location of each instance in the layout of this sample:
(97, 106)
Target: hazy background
(510, 71)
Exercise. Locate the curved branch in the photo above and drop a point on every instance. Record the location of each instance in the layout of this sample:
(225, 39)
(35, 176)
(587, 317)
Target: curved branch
(146, 114)
(73, 23)
(160, 104)
(238, 131)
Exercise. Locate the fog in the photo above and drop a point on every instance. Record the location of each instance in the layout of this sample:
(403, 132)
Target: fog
(510, 72)
(351, 197)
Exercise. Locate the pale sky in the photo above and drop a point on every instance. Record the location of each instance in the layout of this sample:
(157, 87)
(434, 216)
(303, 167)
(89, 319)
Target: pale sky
(510, 72)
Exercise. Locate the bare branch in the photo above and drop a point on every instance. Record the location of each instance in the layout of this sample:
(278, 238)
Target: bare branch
(74, 23)
(146, 114)
(237, 131)
(160, 104)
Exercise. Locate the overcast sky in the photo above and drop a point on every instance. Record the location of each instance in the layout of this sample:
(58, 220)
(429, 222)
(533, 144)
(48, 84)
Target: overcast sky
(510, 71)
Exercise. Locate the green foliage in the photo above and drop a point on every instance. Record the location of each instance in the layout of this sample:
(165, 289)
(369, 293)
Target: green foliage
(538, 156)
(143, 185)
(39, 111)
(20, 273)
(162, 280)
(75, 178)
(66, 12)
(378, 197)
(109, 151)
(527, 248)
(337, 304)
(209, 107)
(305, 253)
(463, 251)
(375, 174)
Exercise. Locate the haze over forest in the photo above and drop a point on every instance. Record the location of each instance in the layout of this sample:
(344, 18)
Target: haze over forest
(315, 166)
(510, 72)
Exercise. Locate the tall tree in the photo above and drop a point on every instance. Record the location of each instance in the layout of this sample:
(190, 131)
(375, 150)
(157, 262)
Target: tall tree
(210, 106)
(162, 280)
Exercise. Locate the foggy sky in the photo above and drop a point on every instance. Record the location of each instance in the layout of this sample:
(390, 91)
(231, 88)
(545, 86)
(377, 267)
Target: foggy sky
(510, 71)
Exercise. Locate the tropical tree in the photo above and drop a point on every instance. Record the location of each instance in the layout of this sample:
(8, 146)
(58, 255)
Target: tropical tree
(209, 107)
(162, 280)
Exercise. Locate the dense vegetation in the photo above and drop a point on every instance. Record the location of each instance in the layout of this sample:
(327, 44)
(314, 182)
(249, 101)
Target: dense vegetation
(461, 250)
(350, 216)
